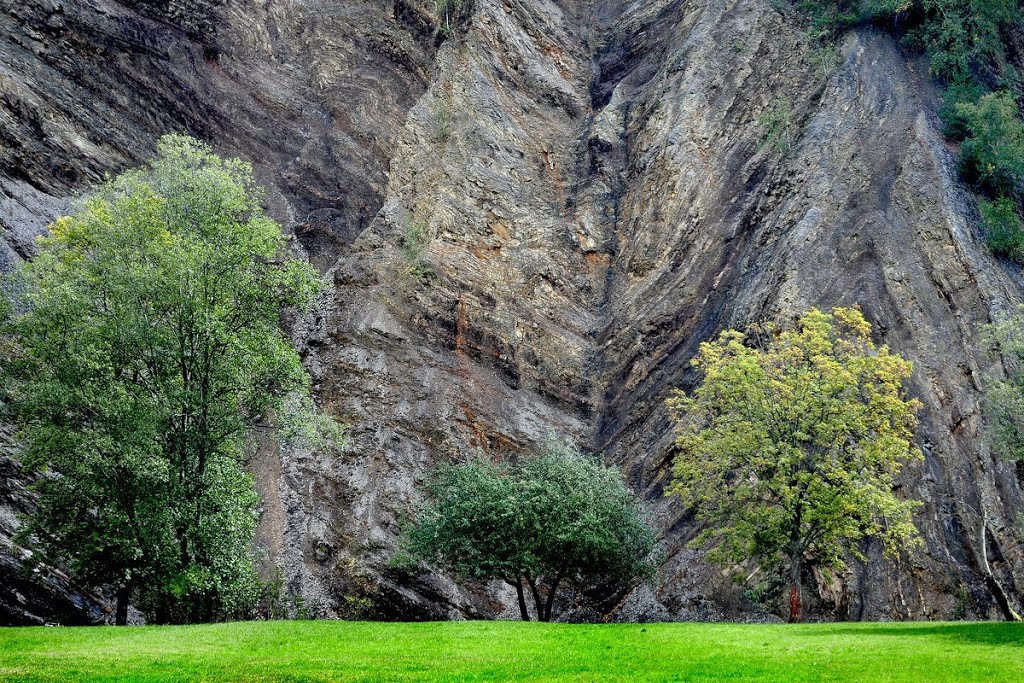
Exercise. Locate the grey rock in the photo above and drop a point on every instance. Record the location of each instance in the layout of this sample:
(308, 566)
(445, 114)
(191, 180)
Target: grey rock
(599, 198)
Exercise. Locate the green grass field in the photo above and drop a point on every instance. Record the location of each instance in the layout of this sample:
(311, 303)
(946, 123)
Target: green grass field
(510, 651)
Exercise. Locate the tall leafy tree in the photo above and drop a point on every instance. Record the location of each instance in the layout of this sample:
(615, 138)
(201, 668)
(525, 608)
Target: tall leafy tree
(1003, 408)
(1004, 396)
(789, 447)
(144, 346)
(557, 517)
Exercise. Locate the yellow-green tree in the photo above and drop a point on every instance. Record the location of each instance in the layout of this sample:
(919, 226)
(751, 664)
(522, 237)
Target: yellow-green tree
(790, 446)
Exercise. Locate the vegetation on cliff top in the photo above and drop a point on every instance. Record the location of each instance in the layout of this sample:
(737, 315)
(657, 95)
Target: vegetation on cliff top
(972, 50)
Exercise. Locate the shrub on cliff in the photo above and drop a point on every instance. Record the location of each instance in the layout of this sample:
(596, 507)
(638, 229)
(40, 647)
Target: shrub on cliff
(144, 346)
(1004, 231)
(993, 152)
(789, 447)
(557, 517)
(992, 157)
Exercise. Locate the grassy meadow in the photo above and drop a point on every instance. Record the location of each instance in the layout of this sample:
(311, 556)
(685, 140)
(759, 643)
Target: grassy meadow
(512, 651)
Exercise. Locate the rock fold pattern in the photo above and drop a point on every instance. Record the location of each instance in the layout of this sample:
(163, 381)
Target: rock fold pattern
(530, 224)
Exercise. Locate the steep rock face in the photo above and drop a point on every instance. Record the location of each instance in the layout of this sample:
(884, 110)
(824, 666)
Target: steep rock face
(862, 208)
(530, 227)
(314, 93)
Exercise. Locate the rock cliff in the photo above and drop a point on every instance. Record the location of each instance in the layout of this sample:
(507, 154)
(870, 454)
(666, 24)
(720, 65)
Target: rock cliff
(529, 226)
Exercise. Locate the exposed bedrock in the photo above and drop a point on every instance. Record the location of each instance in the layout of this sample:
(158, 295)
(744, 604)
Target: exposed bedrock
(530, 226)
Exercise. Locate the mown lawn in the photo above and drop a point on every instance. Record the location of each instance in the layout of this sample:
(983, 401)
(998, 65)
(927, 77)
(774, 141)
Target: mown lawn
(507, 651)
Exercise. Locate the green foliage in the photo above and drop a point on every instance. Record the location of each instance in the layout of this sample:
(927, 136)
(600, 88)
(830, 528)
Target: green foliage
(475, 524)
(274, 602)
(828, 17)
(1003, 406)
(789, 452)
(777, 126)
(825, 58)
(145, 346)
(557, 516)
(967, 42)
(963, 38)
(413, 247)
(1004, 232)
(956, 125)
(993, 153)
(765, 590)
(414, 241)
(442, 118)
(964, 604)
(592, 528)
(992, 157)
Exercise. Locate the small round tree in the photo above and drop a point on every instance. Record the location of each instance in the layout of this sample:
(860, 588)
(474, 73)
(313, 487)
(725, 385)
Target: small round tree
(789, 449)
(557, 517)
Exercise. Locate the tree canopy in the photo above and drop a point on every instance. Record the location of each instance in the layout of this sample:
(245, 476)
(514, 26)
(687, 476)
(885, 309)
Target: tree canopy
(1004, 396)
(790, 445)
(144, 345)
(556, 517)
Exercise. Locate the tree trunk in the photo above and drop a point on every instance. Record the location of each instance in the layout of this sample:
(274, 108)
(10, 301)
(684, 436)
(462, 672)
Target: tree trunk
(121, 612)
(523, 611)
(795, 567)
(1002, 601)
(537, 601)
(551, 598)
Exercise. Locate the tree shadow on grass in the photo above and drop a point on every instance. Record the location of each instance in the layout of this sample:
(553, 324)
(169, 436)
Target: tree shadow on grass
(980, 633)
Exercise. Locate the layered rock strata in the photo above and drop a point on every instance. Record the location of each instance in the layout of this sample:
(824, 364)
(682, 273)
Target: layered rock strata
(530, 225)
